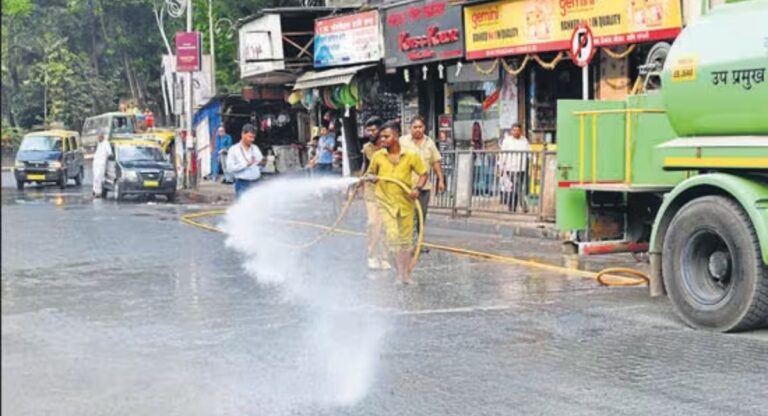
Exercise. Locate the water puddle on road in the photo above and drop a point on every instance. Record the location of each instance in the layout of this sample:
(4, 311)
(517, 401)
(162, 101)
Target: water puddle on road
(342, 335)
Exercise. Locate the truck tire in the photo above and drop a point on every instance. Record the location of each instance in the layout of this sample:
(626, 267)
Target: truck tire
(713, 270)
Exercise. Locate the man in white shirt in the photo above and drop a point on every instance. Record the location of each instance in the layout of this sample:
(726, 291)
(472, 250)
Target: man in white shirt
(244, 160)
(512, 167)
(103, 152)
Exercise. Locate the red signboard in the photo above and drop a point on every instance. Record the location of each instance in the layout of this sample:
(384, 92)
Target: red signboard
(422, 31)
(188, 51)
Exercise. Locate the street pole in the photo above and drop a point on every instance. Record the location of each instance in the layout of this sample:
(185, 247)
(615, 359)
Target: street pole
(190, 93)
(213, 48)
(585, 82)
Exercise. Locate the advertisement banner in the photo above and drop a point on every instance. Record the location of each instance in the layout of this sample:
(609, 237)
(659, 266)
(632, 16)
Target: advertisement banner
(512, 27)
(346, 40)
(421, 32)
(188, 51)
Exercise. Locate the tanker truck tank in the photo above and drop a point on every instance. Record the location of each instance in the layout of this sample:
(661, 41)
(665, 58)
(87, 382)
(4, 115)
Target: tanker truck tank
(714, 79)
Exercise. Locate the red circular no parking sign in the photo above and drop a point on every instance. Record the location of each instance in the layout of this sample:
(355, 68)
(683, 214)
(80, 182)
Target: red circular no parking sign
(582, 45)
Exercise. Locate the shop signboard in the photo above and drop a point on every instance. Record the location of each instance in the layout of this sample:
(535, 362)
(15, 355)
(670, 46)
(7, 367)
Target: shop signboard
(345, 40)
(261, 46)
(422, 31)
(512, 27)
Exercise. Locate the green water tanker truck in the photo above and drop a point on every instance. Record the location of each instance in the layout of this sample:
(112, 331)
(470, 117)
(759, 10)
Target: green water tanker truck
(682, 172)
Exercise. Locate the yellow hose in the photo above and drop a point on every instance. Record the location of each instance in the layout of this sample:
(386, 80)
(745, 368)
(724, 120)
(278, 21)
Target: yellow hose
(613, 274)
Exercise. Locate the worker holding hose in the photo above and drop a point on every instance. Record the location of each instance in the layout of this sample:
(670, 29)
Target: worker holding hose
(395, 204)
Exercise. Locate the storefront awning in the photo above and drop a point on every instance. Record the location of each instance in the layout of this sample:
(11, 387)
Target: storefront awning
(336, 76)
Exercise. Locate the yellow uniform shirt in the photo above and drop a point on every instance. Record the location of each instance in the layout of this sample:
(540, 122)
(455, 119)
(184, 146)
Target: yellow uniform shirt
(427, 149)
(390, 195)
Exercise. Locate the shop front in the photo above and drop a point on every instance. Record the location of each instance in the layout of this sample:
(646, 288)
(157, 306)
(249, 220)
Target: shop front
(422, 39)
(529, 40)
(337, 93)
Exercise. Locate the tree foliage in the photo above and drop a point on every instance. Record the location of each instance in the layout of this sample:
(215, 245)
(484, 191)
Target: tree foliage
(77, 58)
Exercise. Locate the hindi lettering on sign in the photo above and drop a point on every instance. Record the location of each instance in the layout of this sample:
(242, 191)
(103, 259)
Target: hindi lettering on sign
(719, 77)
(758, 75)
(742, 77)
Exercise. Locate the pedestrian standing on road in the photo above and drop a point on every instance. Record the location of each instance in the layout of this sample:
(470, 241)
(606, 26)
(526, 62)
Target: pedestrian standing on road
(512, 168)
(325, 148)
(377, 258)
(100, 157)
(425, 147)
(396, 205)
(245, 160)
(223, 142)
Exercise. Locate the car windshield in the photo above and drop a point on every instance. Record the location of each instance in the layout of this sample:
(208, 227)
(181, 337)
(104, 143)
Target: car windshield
(41, 144)
(140, 154)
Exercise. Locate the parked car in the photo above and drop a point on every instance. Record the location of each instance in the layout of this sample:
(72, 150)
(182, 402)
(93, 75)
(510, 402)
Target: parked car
(49, 156)
(139, 167)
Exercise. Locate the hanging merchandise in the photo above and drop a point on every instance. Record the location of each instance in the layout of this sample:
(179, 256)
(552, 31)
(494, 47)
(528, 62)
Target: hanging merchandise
(354, 90)
(440, 69)
(336, 97)
(346, 96)
(294, 98)
(406, 75)
(283, 119)
(424, 70)
(307, 99)
(327, 98)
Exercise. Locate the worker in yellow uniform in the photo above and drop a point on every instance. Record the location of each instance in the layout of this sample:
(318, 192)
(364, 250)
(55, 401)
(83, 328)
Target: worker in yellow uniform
(395, 204)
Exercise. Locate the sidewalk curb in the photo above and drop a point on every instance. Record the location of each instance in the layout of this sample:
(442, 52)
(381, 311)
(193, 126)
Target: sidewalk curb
(503, 230)
(196, 197)
(498, 229)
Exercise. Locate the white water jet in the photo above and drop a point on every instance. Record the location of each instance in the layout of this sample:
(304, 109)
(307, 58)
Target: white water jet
(343, 335)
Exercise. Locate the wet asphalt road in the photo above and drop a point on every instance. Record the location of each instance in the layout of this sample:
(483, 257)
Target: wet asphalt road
(120, 309)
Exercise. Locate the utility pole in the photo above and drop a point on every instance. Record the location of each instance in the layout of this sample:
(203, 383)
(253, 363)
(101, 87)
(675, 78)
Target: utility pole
(213, 48)
(190, 93)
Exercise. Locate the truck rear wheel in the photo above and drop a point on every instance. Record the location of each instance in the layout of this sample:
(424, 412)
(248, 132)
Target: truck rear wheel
(713, 271)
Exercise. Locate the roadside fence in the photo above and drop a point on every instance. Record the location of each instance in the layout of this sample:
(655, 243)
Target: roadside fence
(495, 181)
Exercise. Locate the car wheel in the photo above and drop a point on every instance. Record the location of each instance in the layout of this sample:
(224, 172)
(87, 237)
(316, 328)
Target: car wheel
(19, 185)
(63, 180)
(79, 177)
(712, 267)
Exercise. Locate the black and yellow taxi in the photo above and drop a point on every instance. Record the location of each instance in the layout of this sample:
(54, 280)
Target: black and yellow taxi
(49, 156)
(139, 167)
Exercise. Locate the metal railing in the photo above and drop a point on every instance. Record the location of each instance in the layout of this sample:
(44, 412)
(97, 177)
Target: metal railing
(496, 181)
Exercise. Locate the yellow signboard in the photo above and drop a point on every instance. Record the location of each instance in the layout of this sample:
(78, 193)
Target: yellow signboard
(512, 27)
